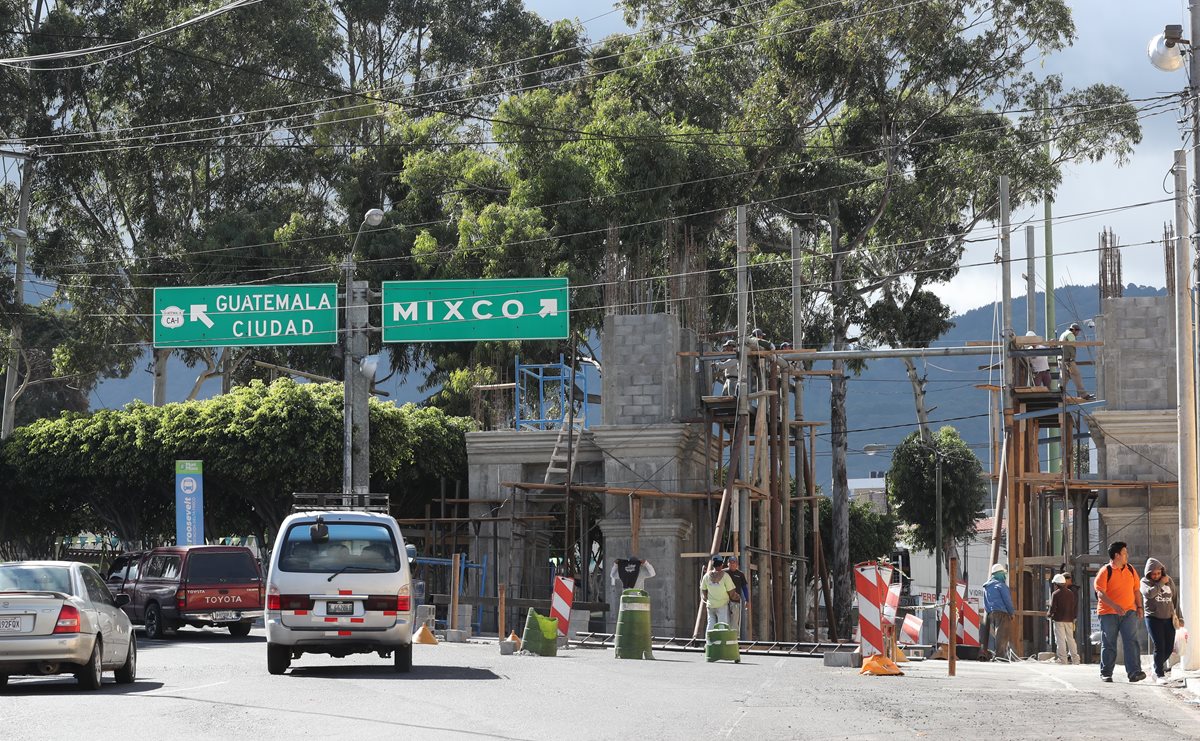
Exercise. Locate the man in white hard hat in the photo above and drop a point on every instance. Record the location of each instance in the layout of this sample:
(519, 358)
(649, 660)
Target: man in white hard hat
(997, 600)
(1064, 605)
(1039, 365)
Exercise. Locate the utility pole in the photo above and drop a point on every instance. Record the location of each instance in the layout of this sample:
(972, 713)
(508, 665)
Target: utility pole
(1006, 331)
(742, 520)
(1189, 517)
(356, 387)
(798, 414)
(1185, 389)
(21, 237)
(1030, 281)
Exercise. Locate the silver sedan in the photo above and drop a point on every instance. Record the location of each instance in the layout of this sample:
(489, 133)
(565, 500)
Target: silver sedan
(59, 617)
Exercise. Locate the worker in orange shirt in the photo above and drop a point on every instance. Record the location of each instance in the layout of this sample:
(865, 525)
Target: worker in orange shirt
(1119, 605)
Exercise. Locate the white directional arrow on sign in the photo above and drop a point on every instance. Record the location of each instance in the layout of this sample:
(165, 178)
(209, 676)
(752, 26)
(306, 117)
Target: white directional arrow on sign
(199, 314)
(549, 307)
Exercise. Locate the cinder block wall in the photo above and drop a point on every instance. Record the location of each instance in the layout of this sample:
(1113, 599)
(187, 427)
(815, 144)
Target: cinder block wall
(1136, 435)
(1136, 365)
(645, 380)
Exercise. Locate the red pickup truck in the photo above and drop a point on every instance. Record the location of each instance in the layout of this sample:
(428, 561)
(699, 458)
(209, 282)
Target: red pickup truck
(190, 585)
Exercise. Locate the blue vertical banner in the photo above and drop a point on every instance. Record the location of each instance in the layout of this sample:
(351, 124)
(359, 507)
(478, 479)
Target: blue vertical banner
(189, 503)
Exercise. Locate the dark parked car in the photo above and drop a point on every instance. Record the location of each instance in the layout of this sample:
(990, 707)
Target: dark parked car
(190, 585)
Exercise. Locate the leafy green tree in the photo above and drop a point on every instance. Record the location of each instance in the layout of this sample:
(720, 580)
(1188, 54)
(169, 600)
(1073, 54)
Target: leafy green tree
(911, 483)
(873, 533)
(113, 471)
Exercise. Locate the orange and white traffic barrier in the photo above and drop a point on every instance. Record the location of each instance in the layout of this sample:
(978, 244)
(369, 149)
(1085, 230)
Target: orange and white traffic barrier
(870, 607)
(910, 631)
(969, 619)
(560, 603)
(967, 630)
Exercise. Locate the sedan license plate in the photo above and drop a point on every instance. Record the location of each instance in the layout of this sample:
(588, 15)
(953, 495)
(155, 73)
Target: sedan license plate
(224, 616)
(339, 608)
(10, 624)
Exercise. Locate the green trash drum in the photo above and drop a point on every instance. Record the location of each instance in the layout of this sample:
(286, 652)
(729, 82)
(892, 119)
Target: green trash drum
(541, 635)
(721, 643)
(633, 626)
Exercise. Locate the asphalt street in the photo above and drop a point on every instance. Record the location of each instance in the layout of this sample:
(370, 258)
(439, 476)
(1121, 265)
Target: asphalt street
(205, 684)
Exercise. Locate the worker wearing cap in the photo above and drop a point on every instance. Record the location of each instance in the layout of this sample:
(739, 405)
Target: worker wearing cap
(997, 600)
(1070, 369)
(1064, 605)
(716, 588)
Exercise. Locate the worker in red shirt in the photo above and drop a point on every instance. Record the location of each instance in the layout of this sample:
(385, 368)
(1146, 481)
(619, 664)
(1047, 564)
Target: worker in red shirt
(1119, 605)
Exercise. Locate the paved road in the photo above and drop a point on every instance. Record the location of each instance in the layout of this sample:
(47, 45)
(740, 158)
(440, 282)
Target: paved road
(205, 684)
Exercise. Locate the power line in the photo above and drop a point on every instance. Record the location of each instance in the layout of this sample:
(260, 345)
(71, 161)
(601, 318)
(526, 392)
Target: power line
(455, 250)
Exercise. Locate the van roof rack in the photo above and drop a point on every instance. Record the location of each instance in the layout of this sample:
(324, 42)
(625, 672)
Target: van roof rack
(308, 502)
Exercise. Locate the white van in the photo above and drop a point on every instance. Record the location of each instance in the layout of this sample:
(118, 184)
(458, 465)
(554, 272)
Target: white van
(339, 584)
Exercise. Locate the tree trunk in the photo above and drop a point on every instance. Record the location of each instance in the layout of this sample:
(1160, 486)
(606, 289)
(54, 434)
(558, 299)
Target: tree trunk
(159, 394)
(843, 593)
(918, 387)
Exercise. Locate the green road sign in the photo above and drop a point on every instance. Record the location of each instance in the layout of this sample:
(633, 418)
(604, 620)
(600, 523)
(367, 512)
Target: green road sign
(237, 316)
(457, 310)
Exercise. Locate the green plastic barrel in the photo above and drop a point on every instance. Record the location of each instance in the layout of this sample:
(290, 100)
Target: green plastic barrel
(721, 643)
(541, 635)
(633, 626)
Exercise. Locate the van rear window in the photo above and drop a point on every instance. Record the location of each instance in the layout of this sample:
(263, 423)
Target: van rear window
(354, 546)
(221, 568)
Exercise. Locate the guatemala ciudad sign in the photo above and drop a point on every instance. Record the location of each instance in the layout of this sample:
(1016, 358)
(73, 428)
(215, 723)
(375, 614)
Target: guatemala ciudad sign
(457, 310)
(220, 316)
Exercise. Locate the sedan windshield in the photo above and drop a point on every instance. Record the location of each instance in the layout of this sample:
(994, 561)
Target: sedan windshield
(22, 578)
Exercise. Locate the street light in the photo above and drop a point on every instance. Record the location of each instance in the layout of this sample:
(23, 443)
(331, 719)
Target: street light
(351, 351)
(1166, 53)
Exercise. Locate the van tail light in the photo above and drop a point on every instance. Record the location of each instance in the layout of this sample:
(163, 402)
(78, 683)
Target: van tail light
(272, 597)
(180, 599)
(403, 600)
(289, 602)
(68, 620)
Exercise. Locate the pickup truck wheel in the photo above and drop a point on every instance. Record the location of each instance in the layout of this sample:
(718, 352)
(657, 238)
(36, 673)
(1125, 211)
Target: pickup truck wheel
(127, 672)
(403, 658)
(154, 623)
(89, 674)
(239, 630)
(279, 658)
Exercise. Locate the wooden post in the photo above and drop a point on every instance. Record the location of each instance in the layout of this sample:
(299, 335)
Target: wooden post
(501, 616)
(635, 521)
(453, 620)
(952, 657)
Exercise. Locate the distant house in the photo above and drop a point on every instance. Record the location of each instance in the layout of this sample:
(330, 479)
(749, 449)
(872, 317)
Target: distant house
(872, 490)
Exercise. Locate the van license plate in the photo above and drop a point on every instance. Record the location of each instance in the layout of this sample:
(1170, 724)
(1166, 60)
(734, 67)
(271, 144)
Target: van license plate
(10, 624)
(339, 608)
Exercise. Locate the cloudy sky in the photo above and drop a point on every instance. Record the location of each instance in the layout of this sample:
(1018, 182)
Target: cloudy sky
(1110, 47)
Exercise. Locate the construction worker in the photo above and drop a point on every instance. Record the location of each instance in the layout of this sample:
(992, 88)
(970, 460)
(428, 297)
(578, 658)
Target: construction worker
(997, 600)
(741, 601)
(1039, 365)
(716, 589)
(1064, 604)
(728, 369)
(1070, 369)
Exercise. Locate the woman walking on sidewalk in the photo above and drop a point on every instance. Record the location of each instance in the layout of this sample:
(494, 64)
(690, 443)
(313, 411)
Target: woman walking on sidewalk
(1162, 613)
